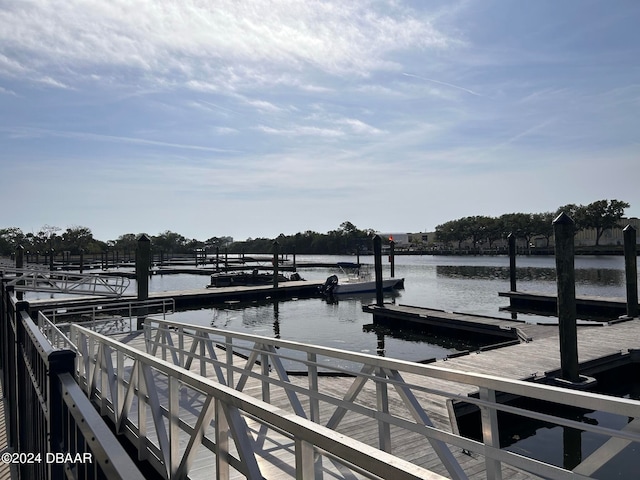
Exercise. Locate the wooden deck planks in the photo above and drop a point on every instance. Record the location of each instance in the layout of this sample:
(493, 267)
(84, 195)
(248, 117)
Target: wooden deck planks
(411, 447)
(519, 361)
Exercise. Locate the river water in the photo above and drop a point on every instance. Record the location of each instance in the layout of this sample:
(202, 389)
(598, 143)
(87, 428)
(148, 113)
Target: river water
(468, 284)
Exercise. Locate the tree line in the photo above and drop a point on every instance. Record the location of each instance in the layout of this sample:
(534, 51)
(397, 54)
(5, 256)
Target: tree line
(480, 230)
(346, 239)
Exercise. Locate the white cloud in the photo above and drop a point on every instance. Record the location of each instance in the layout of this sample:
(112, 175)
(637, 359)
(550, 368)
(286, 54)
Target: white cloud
(302, 131)
(359, 127)
(208, 45)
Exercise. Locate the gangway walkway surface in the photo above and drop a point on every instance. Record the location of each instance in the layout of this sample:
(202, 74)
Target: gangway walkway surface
(374, 404)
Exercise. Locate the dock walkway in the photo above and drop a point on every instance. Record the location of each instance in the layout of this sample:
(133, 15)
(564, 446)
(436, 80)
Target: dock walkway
(527, 360)
(585, 304)
(479, 324)
(536, 354)
(196, 297)
(407, 446)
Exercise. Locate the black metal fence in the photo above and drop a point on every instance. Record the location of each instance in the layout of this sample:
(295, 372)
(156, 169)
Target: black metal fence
(53, 430)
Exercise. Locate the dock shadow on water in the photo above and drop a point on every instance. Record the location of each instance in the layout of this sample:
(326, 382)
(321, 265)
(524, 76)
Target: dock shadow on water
(564, 446)
(454, 344)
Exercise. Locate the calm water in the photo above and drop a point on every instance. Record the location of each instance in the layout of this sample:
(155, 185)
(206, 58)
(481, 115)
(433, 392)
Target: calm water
(462, 284)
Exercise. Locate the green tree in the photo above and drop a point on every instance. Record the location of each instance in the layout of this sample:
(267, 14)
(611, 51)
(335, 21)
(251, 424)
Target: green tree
(75, 238)
(453, 231)
(577, 213)
(170, 242)
(604, 215)
(10, 238)
(543, 225)
(127, 242)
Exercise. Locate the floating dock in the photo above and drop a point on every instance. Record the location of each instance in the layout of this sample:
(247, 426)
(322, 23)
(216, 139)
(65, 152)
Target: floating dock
(197, 297)
(611, 307)
(503, 330)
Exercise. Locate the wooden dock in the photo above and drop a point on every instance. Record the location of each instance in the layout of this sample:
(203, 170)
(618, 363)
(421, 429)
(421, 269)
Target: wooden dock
(454, 322)
(197, 297)
(585, 305)
(408, 446)
(599, 347)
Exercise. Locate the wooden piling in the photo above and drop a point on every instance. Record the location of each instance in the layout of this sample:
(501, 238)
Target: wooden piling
(377, 256)
(631, 270)
(81, 268)
(563, 231)
(276, 260)
(392, 257)
(294, 259)
(512, 261)
(143, 265)
(19, 265)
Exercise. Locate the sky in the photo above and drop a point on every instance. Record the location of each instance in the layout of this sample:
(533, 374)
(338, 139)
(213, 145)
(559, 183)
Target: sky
(255, 118)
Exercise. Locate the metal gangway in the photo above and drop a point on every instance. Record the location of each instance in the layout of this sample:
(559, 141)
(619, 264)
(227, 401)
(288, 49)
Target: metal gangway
(36, 280)
(240, 405)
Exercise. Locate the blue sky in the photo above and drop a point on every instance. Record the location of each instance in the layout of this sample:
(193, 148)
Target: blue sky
(256, 118)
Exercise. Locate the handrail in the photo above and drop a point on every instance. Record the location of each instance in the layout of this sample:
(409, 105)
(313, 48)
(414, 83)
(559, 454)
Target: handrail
(165, 306)
(50, 421)
(53, 333)
(112, 318)
(184, 344)
(34, 280)
(113, 375)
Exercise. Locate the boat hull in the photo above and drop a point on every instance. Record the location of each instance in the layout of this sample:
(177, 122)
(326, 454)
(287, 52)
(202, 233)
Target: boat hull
(365, 287)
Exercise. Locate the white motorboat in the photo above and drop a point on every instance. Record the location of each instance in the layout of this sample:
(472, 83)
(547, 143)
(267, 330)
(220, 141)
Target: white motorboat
(357, 279)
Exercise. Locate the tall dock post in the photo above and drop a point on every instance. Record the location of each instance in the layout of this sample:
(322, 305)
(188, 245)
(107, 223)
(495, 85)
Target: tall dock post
(377, 256)
(512, 261)
(392, 257)
(19, 266)
(81, 268)
(143, 264)
(631, 270)
(294, 259)
(563, 231)
(276, 255)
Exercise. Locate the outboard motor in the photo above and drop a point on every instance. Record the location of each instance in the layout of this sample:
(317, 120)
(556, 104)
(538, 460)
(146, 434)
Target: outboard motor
(329, 285)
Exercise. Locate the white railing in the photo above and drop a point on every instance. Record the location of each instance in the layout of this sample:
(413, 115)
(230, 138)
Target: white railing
(176, 417)
(32, 280)
(401, 398)
(122, 312)
(111, 319)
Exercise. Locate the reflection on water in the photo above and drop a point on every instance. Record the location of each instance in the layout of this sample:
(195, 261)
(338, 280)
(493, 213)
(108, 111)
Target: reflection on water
(593, 276)
(459, 343)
